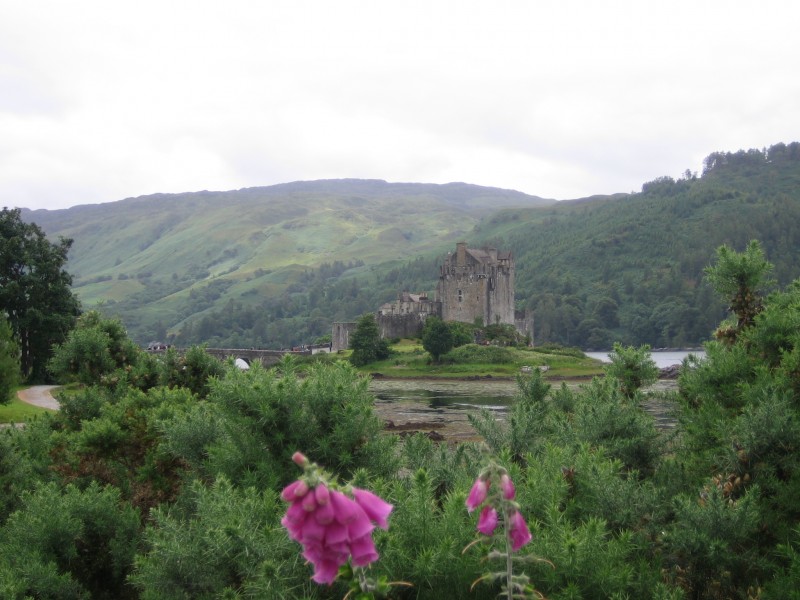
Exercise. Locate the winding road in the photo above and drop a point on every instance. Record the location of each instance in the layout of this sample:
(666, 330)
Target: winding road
(39, 395)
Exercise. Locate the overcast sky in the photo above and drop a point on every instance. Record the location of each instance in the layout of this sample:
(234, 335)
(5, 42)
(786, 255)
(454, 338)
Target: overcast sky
(103, 100)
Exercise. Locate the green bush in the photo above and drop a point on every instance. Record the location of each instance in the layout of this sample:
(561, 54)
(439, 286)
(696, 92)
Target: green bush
(425, 541)
(265, 416)
(710, 547)
(9, 361)
(632, 368)
(70, 544)
(553, 348)
(473, 353)
(220, 541)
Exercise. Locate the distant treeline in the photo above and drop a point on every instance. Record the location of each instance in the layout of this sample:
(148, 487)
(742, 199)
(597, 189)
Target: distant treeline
(624, 268)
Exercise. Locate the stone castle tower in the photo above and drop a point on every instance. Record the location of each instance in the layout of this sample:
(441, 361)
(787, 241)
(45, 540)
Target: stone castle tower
(477, 284)
(473, 284)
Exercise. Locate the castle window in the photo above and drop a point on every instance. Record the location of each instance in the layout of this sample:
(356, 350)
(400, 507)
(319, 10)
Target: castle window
(460, 295)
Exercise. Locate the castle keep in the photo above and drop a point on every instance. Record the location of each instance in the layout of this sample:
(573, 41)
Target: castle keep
(474, 285)
(477, 285)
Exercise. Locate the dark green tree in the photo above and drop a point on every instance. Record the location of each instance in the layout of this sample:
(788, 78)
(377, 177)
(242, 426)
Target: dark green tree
(366, 342)
(463, 333)
(96, 347)
(192, 370)
(740, 278)
(34, 290)
(633, 368)
(437, 339)
(9, 361)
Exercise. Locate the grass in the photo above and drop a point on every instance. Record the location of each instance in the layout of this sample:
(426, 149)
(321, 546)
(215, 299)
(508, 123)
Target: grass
(410, 360)
(19, 412)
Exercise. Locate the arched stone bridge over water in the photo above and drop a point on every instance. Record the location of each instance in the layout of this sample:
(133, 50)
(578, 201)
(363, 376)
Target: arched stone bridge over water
(251, 355)
(265, 357)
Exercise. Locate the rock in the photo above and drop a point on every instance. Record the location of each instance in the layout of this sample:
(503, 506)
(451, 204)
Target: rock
(670, 372)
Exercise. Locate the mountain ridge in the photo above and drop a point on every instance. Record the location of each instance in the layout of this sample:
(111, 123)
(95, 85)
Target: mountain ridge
(276, 265)
(166, 250)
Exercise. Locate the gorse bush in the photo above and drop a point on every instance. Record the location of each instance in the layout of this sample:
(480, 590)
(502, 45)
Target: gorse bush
(220, 540)
(163, 479)
(256, 420)
(69, 543)
(632, 368)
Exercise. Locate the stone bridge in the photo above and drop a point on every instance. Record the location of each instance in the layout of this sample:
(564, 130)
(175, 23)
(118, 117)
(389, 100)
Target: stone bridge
(249, 355)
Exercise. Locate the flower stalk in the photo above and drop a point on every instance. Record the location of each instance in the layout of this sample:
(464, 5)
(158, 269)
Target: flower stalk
(494, 493)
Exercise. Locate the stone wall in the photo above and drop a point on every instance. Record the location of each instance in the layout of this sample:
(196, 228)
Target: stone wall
(401, 326)
(340, 336)
(523, 321)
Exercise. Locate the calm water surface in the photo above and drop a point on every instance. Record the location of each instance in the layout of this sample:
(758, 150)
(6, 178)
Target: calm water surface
(441, 406)
(444, 406)
(661, 358)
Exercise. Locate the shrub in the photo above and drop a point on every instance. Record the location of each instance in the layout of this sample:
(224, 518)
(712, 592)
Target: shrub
(473, 353)
(632, 368)
(220, 541)
(75, 544)
(710, 546)
(265, 416)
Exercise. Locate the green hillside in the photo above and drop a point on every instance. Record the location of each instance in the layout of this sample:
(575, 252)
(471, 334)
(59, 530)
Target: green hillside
(275, 266)
(630, 267)
(162, 262)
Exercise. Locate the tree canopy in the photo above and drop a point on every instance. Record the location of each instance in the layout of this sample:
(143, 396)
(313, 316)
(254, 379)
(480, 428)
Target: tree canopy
(437, 338)
(9, 361)
(366, 342)
(740, 277)
(35, 290)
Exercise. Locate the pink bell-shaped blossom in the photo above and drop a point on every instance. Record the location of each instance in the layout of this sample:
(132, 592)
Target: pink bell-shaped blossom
(325, 571)
(346, 510)
(477, 495)
(296, 489)
(331, 526)
(376, 508)
(509, 491)
(363, 551)
(324, 514)
(322, 495)
(487, 522)
(518, 531)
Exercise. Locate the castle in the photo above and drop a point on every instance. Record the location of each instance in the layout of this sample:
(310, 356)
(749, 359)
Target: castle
(475, 286)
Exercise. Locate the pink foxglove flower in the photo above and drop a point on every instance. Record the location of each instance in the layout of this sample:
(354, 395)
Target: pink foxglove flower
(509, 491)
(487, 522)
(331, 526)
(477, 495)
(518, 531)
(376, 508)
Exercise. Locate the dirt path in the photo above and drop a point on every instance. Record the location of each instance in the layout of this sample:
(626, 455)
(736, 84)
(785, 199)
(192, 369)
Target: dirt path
(39, 395)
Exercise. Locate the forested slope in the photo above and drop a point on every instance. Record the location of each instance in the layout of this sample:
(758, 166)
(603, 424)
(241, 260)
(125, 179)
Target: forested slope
(630, 267)
(272, 267)
(265, 258)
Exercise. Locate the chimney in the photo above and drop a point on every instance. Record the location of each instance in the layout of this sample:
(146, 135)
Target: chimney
(461, 254)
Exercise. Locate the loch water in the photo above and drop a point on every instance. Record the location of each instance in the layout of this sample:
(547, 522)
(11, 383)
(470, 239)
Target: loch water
(444, 406)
